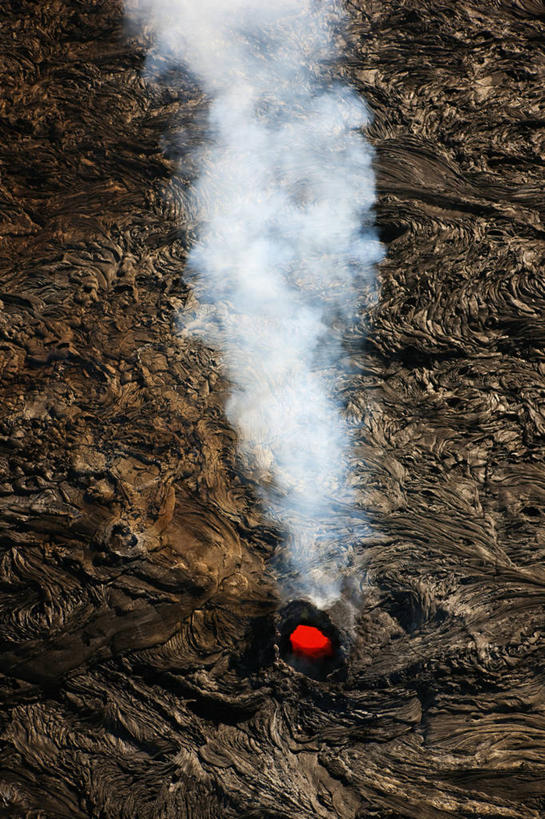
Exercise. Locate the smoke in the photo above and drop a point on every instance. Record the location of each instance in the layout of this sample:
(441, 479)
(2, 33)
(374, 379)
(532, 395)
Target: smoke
(285, 245)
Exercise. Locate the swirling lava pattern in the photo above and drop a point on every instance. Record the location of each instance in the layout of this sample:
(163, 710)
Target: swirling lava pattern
(139, 675)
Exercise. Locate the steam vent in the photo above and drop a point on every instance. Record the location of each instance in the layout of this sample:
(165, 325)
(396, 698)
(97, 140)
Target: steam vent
(272, 390)
(310, 642)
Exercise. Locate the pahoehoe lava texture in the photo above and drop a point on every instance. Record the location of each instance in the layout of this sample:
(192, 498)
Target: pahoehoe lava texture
(139, 672)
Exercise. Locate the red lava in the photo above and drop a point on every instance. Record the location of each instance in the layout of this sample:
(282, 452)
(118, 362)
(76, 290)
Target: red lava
(308, 641)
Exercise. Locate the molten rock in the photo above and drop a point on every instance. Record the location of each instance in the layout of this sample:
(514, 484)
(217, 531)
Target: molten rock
(308, 641)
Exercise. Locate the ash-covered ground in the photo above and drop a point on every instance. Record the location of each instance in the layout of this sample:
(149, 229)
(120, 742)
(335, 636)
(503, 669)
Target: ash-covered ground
(138, 603)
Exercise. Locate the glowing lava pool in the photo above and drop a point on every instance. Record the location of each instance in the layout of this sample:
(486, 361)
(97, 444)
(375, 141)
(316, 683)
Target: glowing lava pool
(309, 641)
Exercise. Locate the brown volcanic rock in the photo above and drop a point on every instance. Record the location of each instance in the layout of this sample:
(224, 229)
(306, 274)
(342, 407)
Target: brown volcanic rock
(137, 610)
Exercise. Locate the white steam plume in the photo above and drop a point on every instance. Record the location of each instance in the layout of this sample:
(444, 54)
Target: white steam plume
(285, 242)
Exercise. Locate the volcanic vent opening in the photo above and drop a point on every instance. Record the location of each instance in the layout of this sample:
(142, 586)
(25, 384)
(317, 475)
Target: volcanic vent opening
(309, 641)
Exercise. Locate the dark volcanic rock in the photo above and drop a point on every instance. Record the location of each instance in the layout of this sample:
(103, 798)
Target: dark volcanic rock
(139, 672)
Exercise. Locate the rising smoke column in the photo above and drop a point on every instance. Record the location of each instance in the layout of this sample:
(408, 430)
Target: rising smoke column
(285, 241)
